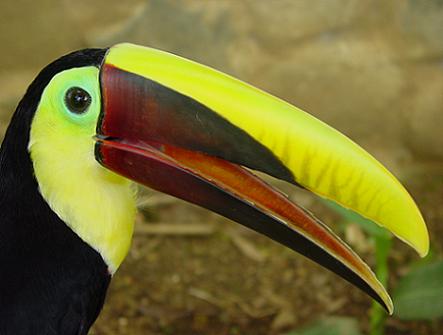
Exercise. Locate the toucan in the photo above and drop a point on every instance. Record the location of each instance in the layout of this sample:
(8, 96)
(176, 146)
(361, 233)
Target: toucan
(95, 122)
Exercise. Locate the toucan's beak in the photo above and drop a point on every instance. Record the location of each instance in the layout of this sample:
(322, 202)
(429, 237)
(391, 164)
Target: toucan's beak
(190, 131)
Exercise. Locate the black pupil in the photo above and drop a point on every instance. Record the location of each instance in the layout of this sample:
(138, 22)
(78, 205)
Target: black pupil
(77, 100)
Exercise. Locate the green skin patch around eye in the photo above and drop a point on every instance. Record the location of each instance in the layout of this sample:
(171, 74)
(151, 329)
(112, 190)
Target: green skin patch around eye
(95, 203)
(83, 81)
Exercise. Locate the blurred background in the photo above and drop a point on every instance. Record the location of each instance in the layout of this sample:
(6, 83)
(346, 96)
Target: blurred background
(371, 68)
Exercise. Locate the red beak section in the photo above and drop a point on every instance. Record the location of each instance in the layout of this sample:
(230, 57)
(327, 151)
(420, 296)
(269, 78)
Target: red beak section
(169, 142)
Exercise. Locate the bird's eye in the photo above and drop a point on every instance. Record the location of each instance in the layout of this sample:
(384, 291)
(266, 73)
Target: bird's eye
(77, 100)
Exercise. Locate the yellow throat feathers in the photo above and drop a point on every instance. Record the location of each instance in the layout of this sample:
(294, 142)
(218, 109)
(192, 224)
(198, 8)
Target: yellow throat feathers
(98, 205)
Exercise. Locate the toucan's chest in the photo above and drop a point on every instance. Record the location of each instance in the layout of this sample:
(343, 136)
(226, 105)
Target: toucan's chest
(51, 282)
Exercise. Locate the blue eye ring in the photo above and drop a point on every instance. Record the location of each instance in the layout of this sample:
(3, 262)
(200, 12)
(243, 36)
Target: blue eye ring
(77, 100)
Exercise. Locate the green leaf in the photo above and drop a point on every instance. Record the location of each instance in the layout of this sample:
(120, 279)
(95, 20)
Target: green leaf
(419, 294)
(331, 326)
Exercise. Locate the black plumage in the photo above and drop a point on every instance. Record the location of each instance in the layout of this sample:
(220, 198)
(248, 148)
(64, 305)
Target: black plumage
(51, 281)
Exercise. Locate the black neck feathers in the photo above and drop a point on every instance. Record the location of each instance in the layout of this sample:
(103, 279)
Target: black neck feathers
(51, 281)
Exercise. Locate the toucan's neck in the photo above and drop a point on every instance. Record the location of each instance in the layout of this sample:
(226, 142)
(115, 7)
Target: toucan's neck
(97, 204)
(16, 175)
(51, 281)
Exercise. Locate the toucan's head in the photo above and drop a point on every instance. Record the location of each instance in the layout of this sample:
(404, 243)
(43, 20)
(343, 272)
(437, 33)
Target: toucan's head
(105, 118)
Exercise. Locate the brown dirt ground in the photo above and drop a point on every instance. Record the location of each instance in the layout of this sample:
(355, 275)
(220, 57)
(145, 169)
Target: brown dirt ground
(229, 280)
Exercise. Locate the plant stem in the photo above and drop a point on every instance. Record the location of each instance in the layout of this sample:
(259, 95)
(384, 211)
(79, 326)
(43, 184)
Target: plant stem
(378, 315)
